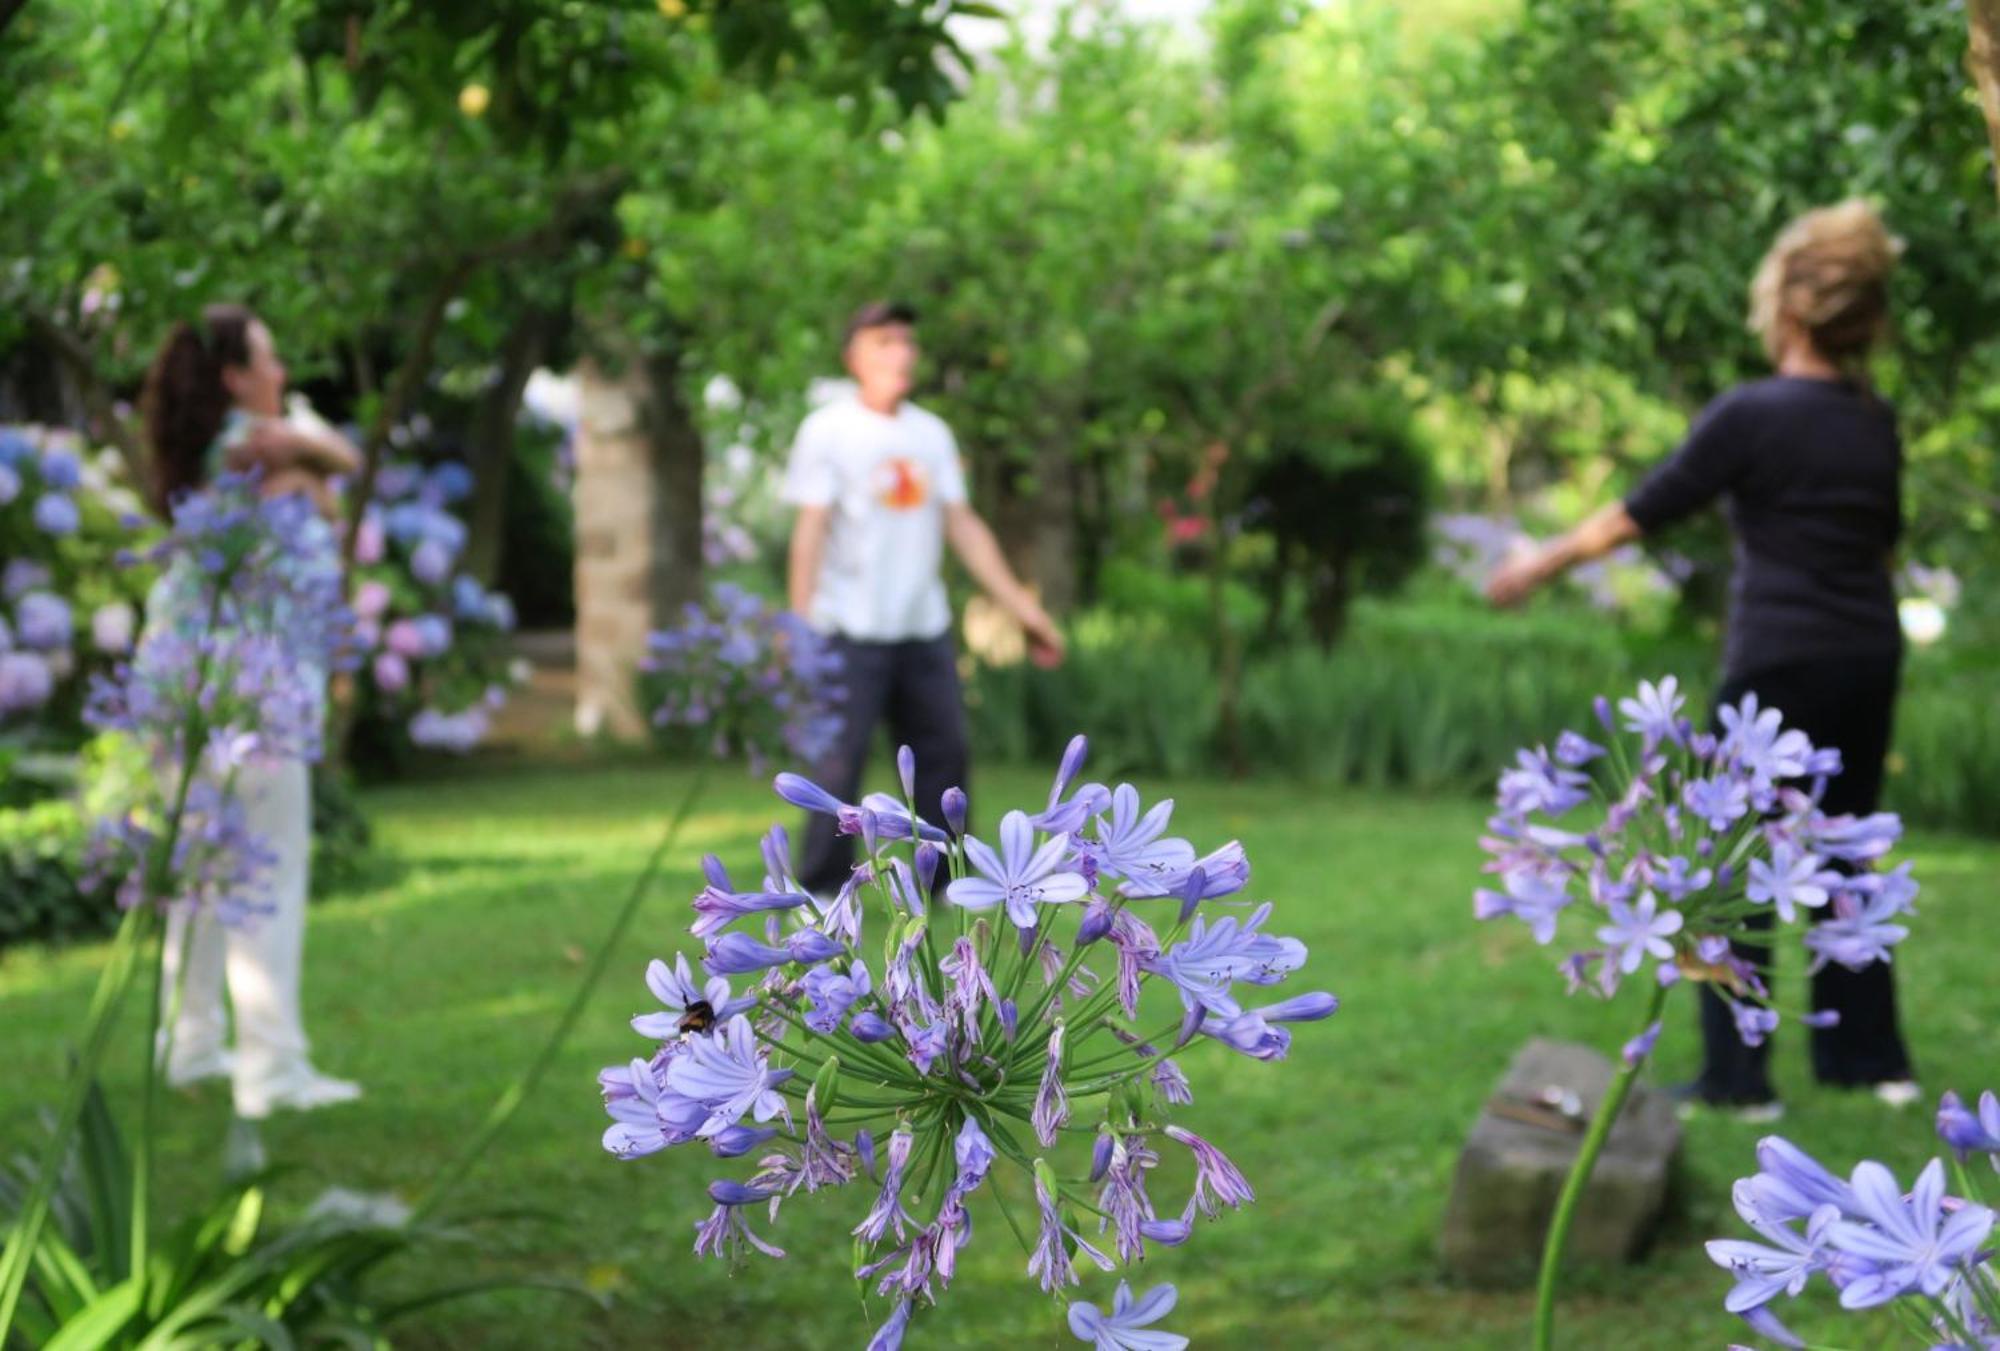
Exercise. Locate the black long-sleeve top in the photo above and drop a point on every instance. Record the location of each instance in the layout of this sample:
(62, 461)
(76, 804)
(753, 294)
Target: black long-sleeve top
(1811, 472)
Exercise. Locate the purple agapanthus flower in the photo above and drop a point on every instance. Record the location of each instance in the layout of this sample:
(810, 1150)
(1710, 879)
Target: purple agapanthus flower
(1217, 1181)
(725, 1232)
(1533, 897)
(1051, 1109)
(1215, 955)
(889, 1337)
(1655, 713)
(736, 954)
(832, 993)
(1790, 878)
(1050, 1261)
(1258, 1033)
(676, 990)
(1129, 1324)
(1020, 877)
(1639, 930)
(1780, 1266)
(730, 1074)
(1761, 744)
(1859, 932)
(1754, 1023)
(1910, 1243)
(1969, 1132)
(1790, 1184)
(1539, 783)
(1068, 817)
(1719, 801)
(719, 904)
(888, 1211)
(1134, 845)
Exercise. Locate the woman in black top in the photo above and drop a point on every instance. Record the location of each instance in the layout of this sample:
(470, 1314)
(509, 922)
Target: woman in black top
(1808, 463)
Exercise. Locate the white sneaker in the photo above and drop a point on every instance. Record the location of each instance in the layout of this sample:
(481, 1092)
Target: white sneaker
(187, 1071)
(307, 1092)
(1759, 1113)
(1898, 1093)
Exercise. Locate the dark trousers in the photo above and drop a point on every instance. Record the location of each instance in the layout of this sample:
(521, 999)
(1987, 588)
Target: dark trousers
(914, 687)
(1845, 702)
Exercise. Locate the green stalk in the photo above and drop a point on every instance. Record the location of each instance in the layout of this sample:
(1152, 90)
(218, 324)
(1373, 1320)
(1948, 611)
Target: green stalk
(510, 1101)
(1579, 1176)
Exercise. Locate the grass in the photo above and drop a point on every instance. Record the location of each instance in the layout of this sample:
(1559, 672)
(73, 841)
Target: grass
(432, 979)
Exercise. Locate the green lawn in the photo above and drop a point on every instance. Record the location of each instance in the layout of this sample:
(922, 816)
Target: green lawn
(432, 981)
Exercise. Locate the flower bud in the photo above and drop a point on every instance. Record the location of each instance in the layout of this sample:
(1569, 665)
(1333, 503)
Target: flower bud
(906, 770)
(954, 804)
(928, 859)
(1096, 922)
(826, 1084)
(1100, 1156)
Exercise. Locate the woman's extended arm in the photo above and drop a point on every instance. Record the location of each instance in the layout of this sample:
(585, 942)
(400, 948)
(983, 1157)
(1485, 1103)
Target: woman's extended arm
(1597, 536)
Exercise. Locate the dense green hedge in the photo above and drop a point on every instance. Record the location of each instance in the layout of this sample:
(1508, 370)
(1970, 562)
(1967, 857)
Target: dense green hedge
(1432, 701)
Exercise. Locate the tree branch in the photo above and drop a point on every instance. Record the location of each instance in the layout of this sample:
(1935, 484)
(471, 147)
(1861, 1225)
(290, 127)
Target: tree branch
(1983, 16)
(100, 408)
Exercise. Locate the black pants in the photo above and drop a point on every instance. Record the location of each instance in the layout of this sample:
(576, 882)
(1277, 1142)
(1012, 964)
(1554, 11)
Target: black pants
(1847, 703)
(914, 686)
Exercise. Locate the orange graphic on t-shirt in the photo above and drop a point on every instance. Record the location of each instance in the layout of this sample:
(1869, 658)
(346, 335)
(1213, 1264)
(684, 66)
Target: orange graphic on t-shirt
(901, 485)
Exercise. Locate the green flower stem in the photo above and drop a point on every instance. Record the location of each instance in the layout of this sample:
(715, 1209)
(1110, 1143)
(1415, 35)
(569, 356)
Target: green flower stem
(1579, 1176)
(510, 1101)
(1069, 968)
(105, 1005)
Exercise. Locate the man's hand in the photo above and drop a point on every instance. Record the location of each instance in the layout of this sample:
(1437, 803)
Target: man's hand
(1046, 645)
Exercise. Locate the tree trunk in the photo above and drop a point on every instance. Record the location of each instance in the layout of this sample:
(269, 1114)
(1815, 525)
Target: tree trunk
(1984, 17)
(638, 514)
(490, 444)
(1228, 643)
(679, 459)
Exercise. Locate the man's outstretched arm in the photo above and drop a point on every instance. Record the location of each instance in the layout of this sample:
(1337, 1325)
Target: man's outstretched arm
(972, 540)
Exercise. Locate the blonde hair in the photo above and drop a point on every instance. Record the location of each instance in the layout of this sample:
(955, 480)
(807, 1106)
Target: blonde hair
(1828, 272)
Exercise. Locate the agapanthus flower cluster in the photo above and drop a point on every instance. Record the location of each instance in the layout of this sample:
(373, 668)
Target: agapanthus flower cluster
(966, 1020)
(750, 678)
(63, 608)
(434, 639)
(244, 624)
(1925, 1252)
(1667, 840)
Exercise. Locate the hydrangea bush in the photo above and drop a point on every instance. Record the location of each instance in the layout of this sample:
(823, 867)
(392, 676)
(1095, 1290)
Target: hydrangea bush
(964, 1019)
(1924, 1254)
(65, 609)
(1664, 844)
(436, 662)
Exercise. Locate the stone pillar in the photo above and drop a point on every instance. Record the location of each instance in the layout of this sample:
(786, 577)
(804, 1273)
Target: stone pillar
(638, 529)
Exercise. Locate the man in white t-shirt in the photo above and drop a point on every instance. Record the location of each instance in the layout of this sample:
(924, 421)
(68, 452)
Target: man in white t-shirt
(880, 492)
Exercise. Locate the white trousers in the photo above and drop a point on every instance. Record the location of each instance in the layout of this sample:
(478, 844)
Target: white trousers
(259, 958)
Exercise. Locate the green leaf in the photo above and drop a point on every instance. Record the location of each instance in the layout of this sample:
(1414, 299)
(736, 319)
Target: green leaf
(97, 1326)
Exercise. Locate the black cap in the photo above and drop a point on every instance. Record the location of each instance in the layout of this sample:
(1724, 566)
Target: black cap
(877, 314)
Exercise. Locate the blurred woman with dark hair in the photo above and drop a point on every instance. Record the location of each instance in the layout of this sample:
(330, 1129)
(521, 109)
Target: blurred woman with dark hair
(1810, 465)
(214, 403)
